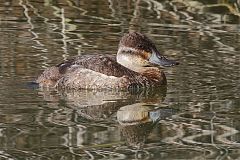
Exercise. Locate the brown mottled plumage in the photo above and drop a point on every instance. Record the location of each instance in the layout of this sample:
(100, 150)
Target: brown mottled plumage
(135, 66)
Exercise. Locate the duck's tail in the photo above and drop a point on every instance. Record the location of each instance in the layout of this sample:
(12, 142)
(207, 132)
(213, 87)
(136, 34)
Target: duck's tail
(49, 77)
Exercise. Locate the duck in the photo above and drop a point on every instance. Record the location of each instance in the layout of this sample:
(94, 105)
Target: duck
(137, 64)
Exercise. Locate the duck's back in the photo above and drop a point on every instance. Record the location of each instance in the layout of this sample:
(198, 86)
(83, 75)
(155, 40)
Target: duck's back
(89, 71)
(106, 65)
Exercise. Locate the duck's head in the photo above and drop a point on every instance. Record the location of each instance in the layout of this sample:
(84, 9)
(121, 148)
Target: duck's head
(137, 52)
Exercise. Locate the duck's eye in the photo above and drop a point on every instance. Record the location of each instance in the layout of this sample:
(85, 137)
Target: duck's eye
(142, 47)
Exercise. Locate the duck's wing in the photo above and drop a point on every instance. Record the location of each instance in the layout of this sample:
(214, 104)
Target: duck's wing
(103, 64)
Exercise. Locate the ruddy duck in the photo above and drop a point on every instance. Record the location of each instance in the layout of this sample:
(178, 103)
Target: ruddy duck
(135, 66)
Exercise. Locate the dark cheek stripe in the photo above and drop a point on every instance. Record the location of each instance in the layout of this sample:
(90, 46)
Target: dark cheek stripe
(138, 53)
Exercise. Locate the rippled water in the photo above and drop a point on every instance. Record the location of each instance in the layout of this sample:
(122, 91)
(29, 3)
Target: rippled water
(195, 117)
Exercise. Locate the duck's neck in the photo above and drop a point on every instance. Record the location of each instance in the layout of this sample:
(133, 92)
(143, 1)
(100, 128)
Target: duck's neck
(128, 58)
(131, 62)
(155, 74)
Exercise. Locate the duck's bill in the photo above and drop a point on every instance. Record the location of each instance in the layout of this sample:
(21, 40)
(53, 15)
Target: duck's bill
(160, 60)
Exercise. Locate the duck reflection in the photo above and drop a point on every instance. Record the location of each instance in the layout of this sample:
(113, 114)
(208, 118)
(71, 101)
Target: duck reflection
(138, 120)
(102, 105)
(136, 113)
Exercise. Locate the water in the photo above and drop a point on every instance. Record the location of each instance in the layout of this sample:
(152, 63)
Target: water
(195, 117)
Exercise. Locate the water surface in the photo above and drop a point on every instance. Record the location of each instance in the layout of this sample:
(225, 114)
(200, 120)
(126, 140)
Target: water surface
(195, 117)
